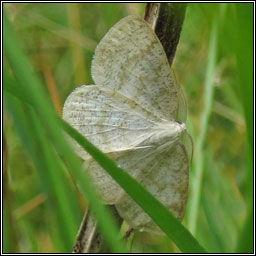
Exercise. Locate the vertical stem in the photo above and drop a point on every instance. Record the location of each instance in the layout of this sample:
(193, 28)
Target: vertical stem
(89, 239)
(76, 49)
(197, 174)
(166, 20)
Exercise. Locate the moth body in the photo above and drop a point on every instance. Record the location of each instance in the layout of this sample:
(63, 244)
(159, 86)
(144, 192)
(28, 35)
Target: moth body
(163, 135)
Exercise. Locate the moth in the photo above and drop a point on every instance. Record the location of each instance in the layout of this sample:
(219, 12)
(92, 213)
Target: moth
(130, 114)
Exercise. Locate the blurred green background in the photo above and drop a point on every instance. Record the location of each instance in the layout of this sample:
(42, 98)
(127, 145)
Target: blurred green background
(213, 65)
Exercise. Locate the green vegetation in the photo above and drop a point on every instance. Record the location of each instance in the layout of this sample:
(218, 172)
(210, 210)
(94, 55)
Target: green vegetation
(42, 204)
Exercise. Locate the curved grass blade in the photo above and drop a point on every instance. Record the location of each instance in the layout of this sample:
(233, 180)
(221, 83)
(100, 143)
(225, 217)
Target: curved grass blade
(32, 90)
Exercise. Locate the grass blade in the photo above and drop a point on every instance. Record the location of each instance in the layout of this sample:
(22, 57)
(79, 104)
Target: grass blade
(31, 86)
(197, 173)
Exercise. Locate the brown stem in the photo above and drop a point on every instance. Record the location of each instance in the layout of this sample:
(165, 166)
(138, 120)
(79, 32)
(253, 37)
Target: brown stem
(89, 239)
(166, 19)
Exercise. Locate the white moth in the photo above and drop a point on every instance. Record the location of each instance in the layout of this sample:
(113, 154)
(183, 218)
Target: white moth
(130, 115)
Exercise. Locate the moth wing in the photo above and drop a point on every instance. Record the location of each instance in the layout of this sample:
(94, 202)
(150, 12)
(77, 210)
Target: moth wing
(131, 60)
(165, 177)
(131, 160)
(107, 119)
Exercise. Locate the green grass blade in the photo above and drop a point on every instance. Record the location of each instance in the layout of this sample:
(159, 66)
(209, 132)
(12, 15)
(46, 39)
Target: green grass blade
(169, 224)
(60, 195)
(197, 173)
(33, 90)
